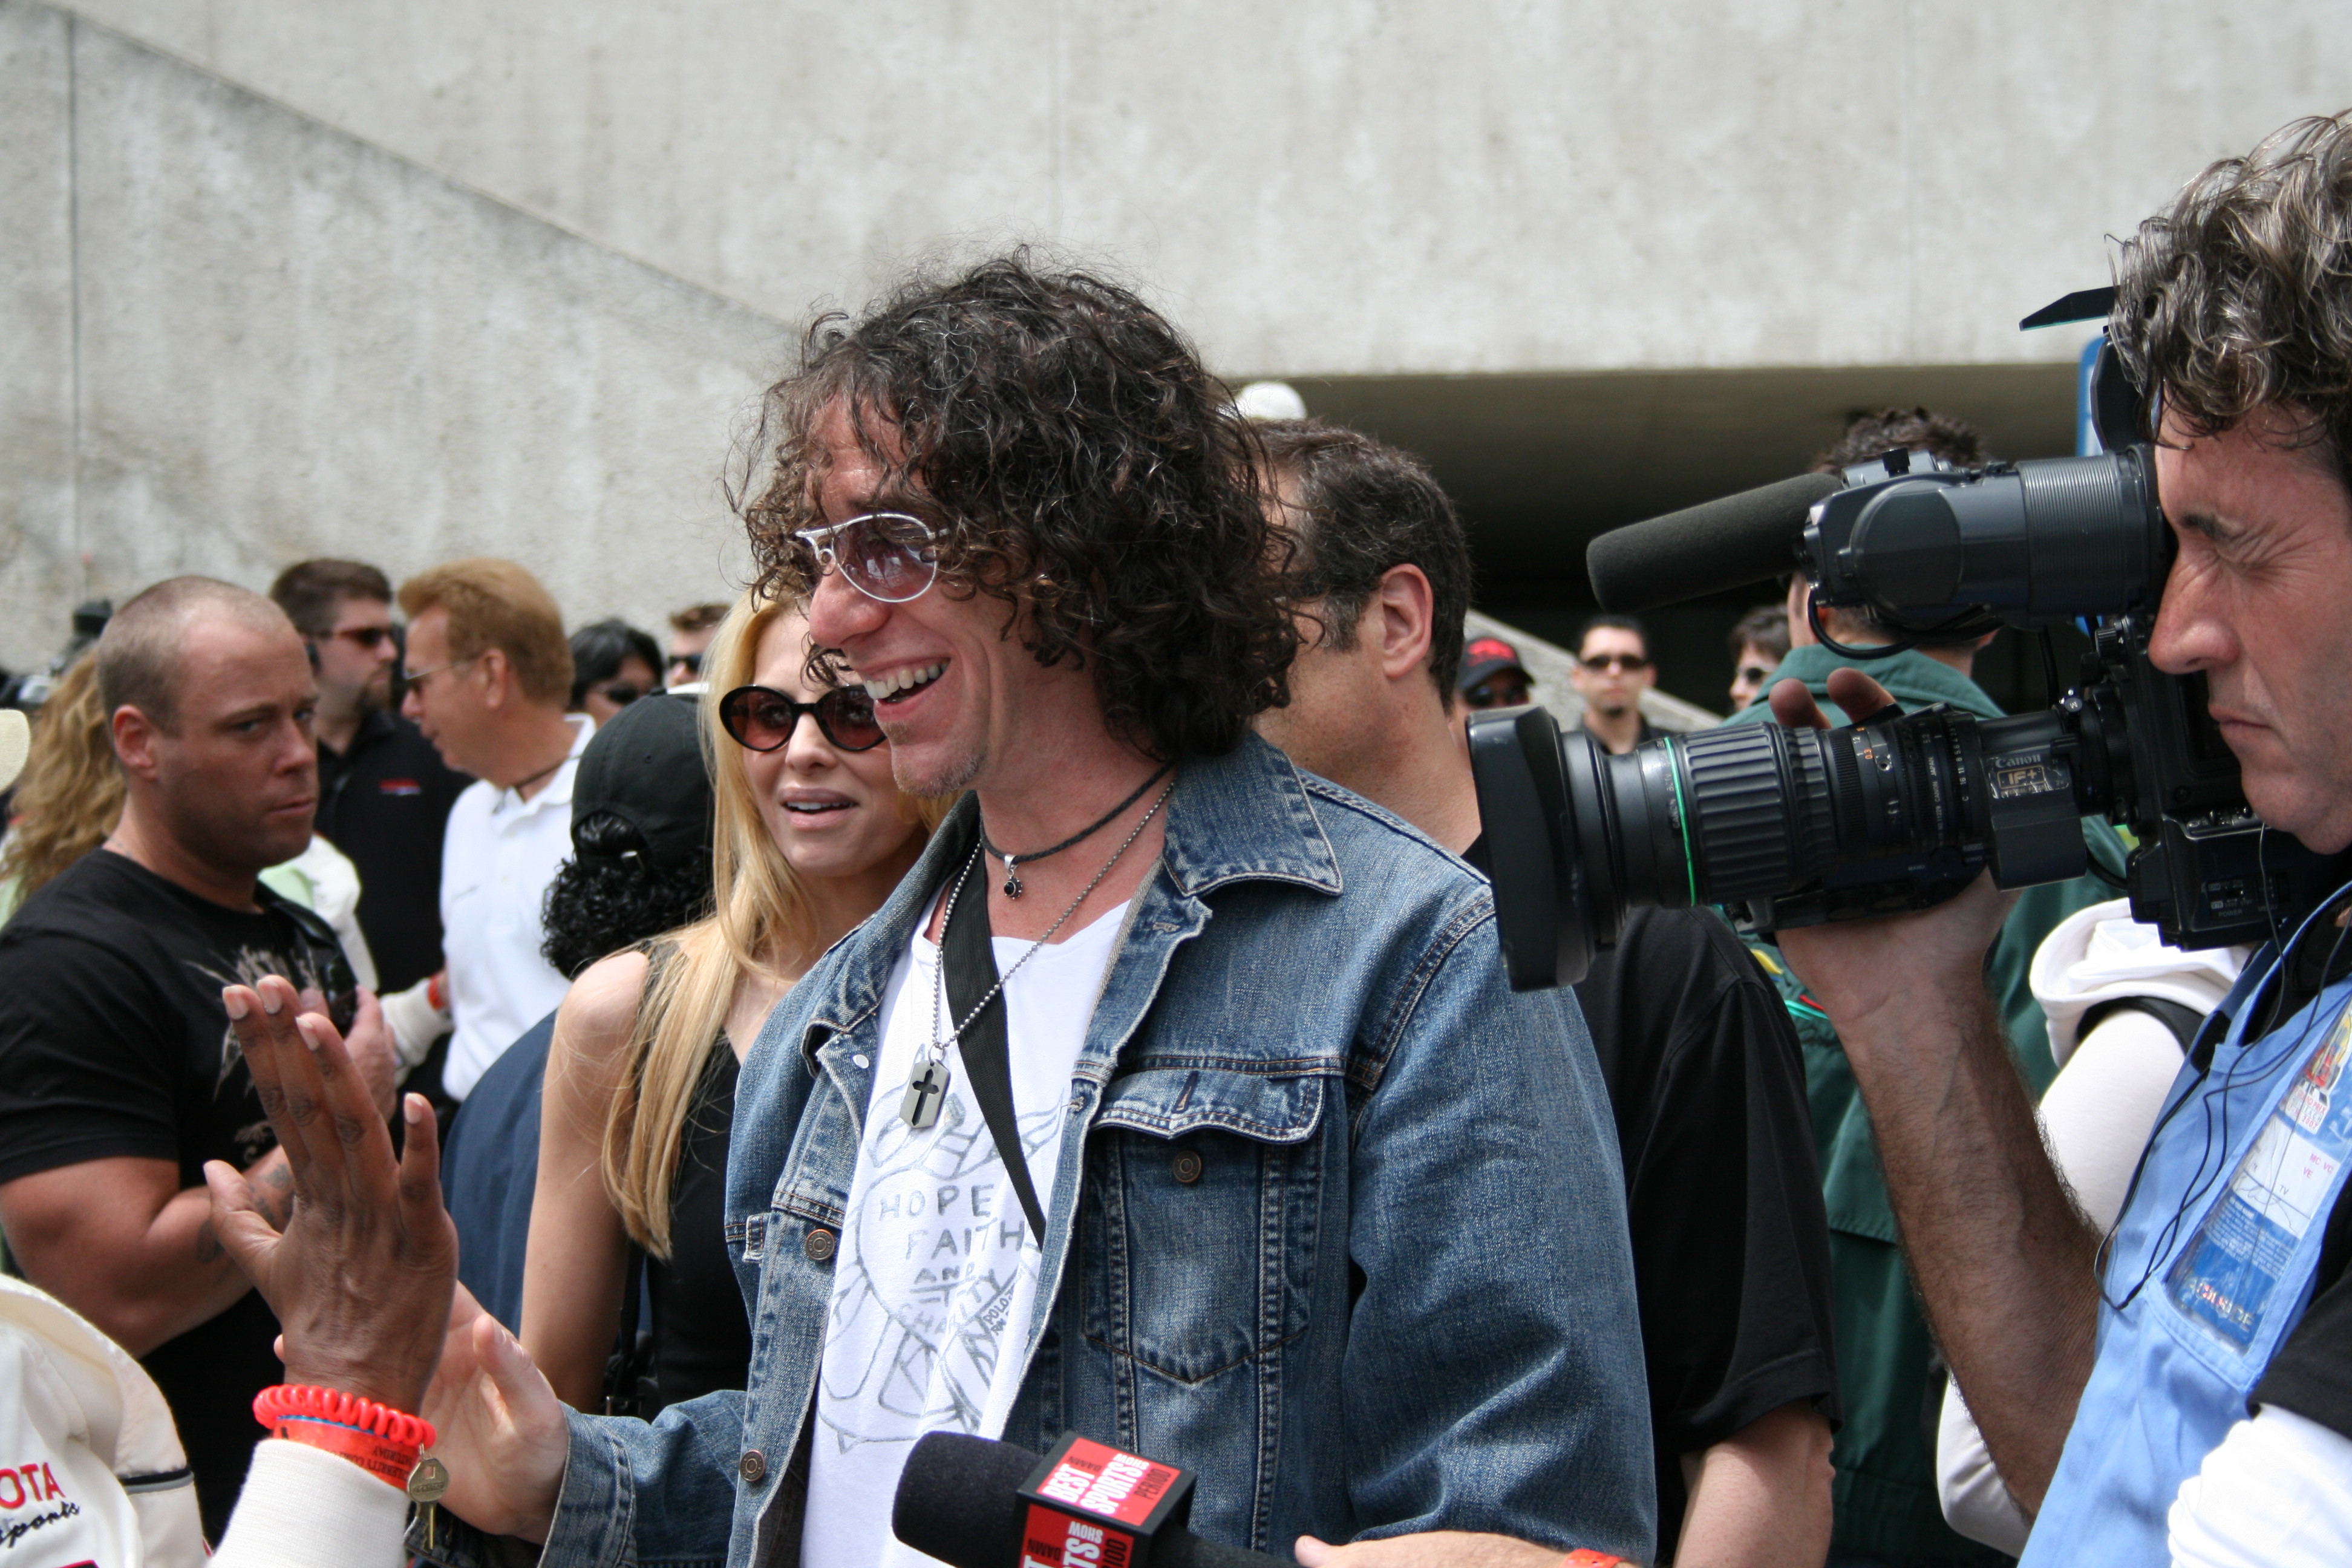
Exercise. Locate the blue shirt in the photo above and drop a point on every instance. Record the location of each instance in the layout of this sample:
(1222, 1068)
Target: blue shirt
(489, 1169)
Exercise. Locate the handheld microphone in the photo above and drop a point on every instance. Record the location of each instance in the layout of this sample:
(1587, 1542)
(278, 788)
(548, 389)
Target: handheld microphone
(975, 1503)
(1708, 548)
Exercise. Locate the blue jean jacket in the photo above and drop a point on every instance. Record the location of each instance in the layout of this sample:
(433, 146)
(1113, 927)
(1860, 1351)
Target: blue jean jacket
(1397, 1295)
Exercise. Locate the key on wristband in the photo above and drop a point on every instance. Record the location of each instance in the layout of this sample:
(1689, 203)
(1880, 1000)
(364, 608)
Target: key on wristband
(427, 1484)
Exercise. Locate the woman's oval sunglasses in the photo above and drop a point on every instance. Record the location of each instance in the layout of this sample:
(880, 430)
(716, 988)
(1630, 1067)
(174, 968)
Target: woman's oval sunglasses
(761, 719)
(885, 556)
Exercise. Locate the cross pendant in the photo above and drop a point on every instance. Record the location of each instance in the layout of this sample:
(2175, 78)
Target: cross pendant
(925, 1090)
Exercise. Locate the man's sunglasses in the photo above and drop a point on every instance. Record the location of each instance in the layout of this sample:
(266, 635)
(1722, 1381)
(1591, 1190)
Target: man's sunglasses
(369, 639)
(621, 693)
(885, 556)
(1491, 693)
(689, 662)
(761, 719)
(1598, 662)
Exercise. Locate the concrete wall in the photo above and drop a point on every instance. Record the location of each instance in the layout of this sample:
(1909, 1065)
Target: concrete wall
(405, 280)
(1340, 187)
(236, 337)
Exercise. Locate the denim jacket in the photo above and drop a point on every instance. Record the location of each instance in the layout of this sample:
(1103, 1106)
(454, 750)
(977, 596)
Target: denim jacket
(1387, 1289)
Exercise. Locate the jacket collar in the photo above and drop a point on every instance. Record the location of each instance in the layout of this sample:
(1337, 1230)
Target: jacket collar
(1911, 678)
(1242, 817)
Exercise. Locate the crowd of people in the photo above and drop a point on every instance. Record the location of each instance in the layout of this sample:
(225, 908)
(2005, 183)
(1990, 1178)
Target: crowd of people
(1027, 964)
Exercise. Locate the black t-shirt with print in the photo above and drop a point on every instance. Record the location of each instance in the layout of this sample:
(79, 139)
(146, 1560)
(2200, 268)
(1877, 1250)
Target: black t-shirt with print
(114, 1044)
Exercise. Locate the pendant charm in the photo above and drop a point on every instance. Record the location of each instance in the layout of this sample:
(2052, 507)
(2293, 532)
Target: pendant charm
(925, 1090)
(1012, 879)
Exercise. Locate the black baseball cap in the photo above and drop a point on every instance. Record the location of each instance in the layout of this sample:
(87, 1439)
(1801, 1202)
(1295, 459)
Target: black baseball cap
(645, 767)
(1486, 657)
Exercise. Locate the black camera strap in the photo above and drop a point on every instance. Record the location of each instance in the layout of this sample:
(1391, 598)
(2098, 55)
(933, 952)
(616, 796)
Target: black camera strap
(968, 965)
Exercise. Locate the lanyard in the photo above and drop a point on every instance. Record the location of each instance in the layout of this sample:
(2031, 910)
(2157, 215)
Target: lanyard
(968, 965)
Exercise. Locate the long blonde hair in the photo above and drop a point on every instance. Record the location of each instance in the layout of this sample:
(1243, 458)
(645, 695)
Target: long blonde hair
(759, 909)
(71, 795)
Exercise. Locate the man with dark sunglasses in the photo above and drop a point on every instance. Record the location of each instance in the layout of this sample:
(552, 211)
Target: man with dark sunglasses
(1613, 670)
(690, 631)
(1176, 1097)
(1493, 677)
(384, 792)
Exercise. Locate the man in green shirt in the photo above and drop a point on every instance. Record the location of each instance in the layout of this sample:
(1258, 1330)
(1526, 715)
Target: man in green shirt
(1890, 1378)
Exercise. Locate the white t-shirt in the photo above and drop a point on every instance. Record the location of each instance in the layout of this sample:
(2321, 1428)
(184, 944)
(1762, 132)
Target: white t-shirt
(498, 856)
(935, 1277)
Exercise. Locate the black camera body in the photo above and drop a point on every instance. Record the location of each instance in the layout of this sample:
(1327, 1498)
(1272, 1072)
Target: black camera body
(1786, 827)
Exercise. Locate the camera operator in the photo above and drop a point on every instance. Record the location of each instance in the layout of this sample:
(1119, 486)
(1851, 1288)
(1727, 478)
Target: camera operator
(2113, 1386)
(1888, 1376)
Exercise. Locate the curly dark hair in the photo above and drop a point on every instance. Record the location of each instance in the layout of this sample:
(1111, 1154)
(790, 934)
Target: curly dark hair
(2239, 295)
(1363, 507)
(1879, 431)
(612, 892)
(1086, 470)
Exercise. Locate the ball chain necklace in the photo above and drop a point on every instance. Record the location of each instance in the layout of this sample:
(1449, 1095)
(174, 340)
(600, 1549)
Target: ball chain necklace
(1011, 873)
(926, 1085)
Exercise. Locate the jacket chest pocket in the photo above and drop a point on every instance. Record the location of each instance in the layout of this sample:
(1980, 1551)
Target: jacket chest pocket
(1203, 1192)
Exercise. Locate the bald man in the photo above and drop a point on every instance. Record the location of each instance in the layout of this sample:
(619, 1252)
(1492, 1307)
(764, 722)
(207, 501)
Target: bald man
(118, 1074)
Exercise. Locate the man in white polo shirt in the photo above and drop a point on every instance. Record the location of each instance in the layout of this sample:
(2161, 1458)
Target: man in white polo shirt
(488, 670)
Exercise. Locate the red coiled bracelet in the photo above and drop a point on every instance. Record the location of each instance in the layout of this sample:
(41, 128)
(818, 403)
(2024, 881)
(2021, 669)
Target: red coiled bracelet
(381, 1440)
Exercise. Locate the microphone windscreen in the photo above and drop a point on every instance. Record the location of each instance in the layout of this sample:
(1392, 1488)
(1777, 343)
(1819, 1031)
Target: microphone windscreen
(1705, 549)
(957, 1500)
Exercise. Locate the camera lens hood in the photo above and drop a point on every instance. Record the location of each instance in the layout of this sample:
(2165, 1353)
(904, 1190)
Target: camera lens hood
(1542, 909)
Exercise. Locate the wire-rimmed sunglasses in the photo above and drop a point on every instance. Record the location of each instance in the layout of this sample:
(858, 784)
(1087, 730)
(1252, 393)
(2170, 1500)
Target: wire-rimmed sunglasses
(761, 719)
(885, 556)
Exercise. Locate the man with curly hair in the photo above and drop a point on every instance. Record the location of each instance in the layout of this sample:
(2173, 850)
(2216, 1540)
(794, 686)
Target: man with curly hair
(1177, 1097)
(2179, 1390)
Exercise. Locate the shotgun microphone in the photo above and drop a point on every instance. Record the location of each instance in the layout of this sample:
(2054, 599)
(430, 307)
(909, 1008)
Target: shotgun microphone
(972, 1502)
(1708, 548)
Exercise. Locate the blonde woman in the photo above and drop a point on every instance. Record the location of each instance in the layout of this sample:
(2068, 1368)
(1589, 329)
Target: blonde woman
(812, 835)
(71, 795)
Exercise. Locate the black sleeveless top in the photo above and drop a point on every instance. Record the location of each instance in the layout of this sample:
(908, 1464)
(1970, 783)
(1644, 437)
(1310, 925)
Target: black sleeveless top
(701, 1336)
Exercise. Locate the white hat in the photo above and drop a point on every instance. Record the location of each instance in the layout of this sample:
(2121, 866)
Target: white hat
(16, 740)
(1270, 400)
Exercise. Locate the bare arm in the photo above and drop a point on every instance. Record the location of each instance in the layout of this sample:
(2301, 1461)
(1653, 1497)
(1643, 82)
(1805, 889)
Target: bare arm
(121, 1242)
(577, 1262)
(1760, 1498)
(2005, 1263)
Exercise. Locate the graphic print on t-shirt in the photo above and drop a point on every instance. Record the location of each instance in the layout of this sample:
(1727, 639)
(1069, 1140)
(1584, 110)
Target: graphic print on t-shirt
(246, 966)
(938, 1233)
(935, 1274)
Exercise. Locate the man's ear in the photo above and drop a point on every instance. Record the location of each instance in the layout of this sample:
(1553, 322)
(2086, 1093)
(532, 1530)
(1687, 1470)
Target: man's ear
(498, 678)
(1406, 606)
(135, 736)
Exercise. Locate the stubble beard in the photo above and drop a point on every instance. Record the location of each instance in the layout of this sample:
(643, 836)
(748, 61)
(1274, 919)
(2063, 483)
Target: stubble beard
(947, 777)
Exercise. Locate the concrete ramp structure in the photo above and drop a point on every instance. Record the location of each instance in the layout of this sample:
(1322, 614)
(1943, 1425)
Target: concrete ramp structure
(406, 278)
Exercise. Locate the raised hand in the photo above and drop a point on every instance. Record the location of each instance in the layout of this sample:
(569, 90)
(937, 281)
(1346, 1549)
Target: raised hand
(503, 1433)
(1898, 966)
(361, 1274)
(370, 1045)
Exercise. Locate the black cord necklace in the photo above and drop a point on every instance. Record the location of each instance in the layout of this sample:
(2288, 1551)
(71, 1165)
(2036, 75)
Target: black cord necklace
(1012, 862)
(517, 786)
